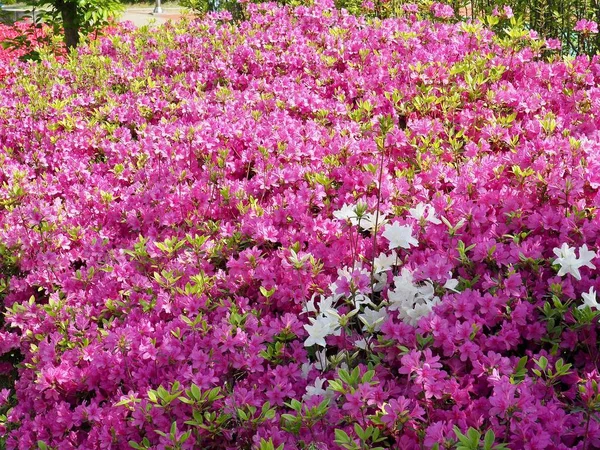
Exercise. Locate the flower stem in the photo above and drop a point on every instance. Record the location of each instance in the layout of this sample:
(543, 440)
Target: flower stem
(377, 209)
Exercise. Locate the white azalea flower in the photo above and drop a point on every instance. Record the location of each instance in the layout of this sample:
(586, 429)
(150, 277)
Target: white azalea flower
(451, 283)
(331, 317)
(380, 282)
(568, 261)
(426, 291)
(347, 212)
(411, 301)
(362, 299)
(399, 236)
(424, 212)
(589, 299)
(361, 343)
(419, 309)
(416, 312)
(326, 303)
(418, 212)
(367, 222)
(321, 363)
(384, 262)
(317, 389)
(372, 319)
(404, 291)
(310, 306)
(318, 330)
(586, 256)
(305, 369)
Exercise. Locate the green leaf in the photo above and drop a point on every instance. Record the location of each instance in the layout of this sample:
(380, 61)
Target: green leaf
(341, 437)
(295, 405)
(368, 376)
(488, 440)
(336, 386)
(289, 417)
(152, 396)
(360, 432)
(542, 363)
(196, 392)
(473, 435)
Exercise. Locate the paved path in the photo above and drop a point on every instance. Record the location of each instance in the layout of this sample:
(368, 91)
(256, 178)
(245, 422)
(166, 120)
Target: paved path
(144, 16)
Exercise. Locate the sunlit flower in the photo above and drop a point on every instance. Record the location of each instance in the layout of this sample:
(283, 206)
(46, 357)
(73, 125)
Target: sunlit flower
(399, 236)
(586, 26)
(347, 212)
(318, 330)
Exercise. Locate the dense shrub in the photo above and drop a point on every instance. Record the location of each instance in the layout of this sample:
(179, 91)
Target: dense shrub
(17, 40)
(560, 20)
(195, 251)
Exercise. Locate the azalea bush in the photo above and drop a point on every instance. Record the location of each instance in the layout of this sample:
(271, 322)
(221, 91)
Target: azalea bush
(18, 40)
(306, 230)
(572, 23)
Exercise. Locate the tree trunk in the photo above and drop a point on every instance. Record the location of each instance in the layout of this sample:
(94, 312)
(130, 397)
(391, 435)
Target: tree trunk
(68, 12)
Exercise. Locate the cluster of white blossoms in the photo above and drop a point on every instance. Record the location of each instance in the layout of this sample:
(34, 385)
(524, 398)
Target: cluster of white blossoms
(324, 324)
(570, 263)
(412, 301)
(356, 285)
(357, 217)
(328, 321)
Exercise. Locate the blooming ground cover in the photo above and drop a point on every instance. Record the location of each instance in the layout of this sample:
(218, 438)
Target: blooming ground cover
(305, 231)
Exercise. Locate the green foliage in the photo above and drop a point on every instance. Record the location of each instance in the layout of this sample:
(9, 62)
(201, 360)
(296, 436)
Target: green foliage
(549, 375)
(268, 445)
(71, 18)
(472, 440)
(368, 438)
(304, 416)
(348, 382)
(551, 18)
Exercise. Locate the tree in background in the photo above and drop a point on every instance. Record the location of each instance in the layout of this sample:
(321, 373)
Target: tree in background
(75, 17)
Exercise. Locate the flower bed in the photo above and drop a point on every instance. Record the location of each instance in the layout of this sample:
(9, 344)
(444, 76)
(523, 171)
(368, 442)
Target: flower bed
(305, 231)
